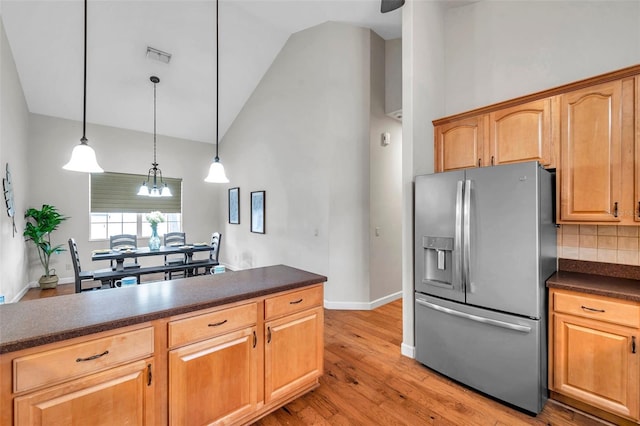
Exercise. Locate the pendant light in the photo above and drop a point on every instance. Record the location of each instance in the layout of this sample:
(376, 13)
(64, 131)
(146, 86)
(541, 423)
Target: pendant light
(154, 191)
(216, 170)
(83, 157)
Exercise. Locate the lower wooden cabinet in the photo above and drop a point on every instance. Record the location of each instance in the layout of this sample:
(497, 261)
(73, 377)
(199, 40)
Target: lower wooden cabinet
(293, 352)
(214, 381)
(120, 396)
(594, 353)
(234, 365)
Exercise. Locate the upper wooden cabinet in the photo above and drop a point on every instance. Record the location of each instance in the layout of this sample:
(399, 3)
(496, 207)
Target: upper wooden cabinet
(523, 133)
(460, 145)
(588, 130)
(591, 155)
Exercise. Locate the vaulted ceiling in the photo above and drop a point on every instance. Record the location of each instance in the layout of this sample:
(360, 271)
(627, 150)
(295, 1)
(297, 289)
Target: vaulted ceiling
(46, 39)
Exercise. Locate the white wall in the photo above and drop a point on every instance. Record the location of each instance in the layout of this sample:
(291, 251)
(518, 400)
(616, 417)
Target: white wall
(461, 58)
(118, 150)
(14, 120)
(393, 76)
(498, 50)
(304, 136)
(385, 182)
(422, 100)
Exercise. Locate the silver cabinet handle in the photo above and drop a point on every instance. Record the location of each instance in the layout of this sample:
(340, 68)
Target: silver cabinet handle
(488, 321)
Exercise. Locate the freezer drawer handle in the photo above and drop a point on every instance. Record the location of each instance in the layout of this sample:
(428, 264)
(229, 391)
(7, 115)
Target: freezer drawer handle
(586, 308)
(489, 321)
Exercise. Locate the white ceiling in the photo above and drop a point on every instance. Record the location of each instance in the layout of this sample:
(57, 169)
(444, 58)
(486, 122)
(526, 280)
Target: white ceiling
(46, 39)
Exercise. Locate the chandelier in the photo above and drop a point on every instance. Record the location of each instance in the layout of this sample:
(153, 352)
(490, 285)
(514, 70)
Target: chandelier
(149, 187)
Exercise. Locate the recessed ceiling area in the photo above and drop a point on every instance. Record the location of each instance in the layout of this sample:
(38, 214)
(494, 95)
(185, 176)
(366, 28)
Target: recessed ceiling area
(46, 39)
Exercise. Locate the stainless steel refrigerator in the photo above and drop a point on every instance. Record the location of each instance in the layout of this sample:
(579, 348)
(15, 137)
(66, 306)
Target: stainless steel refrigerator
(485, 242)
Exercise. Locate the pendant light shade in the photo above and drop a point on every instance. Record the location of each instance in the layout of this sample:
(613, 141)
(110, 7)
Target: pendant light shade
(216, 173)
(154, 171)
(216, 170)
(83, 157)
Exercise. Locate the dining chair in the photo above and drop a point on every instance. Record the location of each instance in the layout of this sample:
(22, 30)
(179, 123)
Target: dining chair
(174, 239)
(216, 240)
(124, 241)
(80, 275)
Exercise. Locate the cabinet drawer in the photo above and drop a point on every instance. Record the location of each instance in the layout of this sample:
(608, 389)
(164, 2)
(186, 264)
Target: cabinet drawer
(210, 324)
(57, 365)
(294, 301)
(598, 307)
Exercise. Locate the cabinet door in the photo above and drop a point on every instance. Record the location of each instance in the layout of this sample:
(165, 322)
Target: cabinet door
(293, 352)
(214, 381)
(521, 133)
(120, 396)
(594, 363)
(590, 174)
(460, 145)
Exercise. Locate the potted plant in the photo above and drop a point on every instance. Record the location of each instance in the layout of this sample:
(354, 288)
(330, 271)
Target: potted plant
(39, 226)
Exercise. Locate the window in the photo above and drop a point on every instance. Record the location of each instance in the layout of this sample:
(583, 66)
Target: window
(117, 209)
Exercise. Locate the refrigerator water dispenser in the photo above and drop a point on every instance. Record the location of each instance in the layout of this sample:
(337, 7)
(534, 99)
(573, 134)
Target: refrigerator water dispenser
(438, 253)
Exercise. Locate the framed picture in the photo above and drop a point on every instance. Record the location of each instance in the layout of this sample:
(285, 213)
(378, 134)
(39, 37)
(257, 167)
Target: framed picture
(257, 211)
(234, 206)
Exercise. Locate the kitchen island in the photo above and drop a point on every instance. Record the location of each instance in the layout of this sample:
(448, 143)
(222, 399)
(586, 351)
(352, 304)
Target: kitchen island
(220, 348)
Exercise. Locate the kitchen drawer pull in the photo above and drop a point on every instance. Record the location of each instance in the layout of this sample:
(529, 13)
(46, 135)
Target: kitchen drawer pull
(255, 339)
(295, 302)
(92, 357)
(492, 162)
(638, 209)
(478, 162)
(633, 344)
(217, 324)
(268, 334)
(586, 308)
(615, 209)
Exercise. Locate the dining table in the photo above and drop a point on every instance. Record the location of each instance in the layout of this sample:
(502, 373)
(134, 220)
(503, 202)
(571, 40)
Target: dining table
(119, 255)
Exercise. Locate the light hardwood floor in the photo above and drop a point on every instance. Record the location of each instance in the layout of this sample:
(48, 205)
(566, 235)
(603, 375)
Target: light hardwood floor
(367, 382)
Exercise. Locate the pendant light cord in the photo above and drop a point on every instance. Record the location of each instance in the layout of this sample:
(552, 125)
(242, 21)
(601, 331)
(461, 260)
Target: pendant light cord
(155, 163)
(84, 99)
(217, 79)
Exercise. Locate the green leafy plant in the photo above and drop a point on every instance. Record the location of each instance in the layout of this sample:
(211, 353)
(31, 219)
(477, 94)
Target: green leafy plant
(40, 224)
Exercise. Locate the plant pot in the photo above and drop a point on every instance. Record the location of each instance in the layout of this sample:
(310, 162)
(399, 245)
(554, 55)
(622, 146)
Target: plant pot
(48, 282)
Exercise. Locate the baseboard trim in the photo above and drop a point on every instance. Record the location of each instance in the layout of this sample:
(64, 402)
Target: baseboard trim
(408, 351)
(362, 306)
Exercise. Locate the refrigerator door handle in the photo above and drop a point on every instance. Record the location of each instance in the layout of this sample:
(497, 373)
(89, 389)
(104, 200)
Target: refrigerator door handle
(466, 256)
(488, 321)
(458, 278)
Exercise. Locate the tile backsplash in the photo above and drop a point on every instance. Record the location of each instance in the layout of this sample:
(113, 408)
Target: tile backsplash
(600, 243)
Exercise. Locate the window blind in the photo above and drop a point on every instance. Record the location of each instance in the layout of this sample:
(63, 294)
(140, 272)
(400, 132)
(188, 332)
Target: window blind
(117, 192)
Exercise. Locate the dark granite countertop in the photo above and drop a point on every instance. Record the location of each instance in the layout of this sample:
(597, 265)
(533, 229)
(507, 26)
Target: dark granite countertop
(620, 288)
(38, 322)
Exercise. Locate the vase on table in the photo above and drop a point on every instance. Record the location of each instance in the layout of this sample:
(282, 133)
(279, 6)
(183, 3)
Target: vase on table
(154, 240)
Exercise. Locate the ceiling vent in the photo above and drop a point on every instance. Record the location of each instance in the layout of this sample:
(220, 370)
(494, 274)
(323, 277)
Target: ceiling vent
(158, 55)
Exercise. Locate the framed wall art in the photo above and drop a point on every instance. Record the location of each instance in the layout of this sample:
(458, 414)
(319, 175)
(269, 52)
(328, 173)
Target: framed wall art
(234, 206)
(257, 211)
